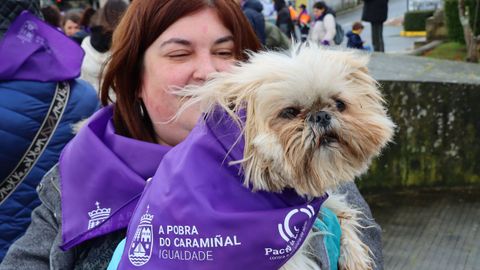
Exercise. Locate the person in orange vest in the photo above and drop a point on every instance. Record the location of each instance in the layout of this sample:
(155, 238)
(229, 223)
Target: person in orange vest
(303, 22)
(293, 12)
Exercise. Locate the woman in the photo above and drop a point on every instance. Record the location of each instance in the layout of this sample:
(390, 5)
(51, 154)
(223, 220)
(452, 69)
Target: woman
(89, 198)
(323, 30)
(97, 45)
(71, 23)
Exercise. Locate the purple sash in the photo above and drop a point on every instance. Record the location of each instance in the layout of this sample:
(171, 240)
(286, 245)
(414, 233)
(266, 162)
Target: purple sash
(102, 176)
(33, 50)
(197, 214)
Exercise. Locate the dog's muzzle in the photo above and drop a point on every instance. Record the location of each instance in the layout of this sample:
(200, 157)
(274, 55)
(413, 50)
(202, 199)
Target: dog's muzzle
(321, 125)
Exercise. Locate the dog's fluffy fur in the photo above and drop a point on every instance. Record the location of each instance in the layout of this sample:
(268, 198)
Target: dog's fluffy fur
(315, 119)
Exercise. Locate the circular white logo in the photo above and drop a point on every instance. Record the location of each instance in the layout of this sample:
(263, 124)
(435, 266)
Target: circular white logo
(285, 229)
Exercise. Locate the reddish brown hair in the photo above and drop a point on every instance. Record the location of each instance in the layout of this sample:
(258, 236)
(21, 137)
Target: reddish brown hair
(357, 26)
(143, 22)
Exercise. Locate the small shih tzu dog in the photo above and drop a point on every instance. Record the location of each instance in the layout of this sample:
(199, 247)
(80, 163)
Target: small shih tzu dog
(314, 119)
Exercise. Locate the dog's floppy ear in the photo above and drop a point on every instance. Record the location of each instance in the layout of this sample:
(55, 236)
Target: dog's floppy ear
(359, 72)
(358, 62)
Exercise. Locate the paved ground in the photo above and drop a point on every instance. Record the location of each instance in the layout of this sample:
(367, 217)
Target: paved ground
(421, 69)
(430, 229)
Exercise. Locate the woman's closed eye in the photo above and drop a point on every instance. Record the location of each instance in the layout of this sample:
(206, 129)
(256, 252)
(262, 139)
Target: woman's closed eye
(178, 55)
(224, 53)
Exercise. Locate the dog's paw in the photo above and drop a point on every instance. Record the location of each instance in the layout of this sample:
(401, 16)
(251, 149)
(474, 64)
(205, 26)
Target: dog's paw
(354, 254)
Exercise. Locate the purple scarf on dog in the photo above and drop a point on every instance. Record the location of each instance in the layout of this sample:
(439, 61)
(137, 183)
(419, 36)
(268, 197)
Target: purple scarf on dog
(33, 50)
(102, 176)
(197, 214)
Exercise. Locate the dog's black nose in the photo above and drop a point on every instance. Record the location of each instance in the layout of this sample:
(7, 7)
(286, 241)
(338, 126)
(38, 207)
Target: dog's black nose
(322, 118)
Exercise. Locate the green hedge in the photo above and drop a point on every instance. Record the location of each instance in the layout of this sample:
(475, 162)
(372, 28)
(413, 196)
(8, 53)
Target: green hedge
(455, 30)
(415, 20)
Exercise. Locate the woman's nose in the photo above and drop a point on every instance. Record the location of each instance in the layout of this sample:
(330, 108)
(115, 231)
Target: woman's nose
(204, 67)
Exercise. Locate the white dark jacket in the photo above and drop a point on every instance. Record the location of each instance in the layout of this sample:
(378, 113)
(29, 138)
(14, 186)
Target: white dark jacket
(323, 30)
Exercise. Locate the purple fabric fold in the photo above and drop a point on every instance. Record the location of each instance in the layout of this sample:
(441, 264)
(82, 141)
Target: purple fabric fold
(196, 213)
(102, 175)
(33, 50)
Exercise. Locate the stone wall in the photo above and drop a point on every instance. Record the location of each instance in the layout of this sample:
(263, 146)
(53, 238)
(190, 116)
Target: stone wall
(437, 141)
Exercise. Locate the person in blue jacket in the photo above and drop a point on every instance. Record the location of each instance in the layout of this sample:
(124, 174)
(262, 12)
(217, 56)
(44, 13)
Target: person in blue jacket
(38, 67)
(253, 11)
(354, 40)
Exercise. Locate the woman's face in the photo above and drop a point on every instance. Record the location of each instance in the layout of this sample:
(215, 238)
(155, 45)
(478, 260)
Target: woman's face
(318, 12)
(70, 28)
(185, 54)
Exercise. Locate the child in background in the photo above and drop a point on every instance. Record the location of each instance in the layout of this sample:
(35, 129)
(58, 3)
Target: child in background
(354, 39)
(303, 22)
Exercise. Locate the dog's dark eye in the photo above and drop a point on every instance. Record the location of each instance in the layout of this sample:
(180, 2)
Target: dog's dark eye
(340, 105)
(289, 113)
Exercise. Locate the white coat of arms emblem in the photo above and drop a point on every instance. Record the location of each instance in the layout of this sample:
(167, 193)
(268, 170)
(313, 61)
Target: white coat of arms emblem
(27, 32)
(97, 216)
(141, 248)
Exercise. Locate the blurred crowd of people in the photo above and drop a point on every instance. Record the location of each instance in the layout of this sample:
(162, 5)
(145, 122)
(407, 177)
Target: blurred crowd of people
(276, 23)
(293, 22)
(92, 29)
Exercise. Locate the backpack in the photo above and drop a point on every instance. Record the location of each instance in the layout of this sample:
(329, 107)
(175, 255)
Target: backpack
(339, 35)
